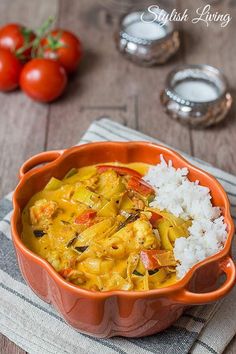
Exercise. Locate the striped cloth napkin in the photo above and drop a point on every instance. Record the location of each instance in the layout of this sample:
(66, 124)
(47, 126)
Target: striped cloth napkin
(37, 328)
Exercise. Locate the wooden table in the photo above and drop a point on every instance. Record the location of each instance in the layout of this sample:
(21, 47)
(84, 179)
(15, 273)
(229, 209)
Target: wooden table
(108, 85)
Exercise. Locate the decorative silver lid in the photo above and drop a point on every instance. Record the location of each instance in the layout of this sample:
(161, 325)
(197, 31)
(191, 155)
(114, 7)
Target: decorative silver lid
(144, 41)
(196, 95)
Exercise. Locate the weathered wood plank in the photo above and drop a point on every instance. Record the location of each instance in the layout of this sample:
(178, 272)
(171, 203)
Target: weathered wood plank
(23, 122)
(153, 120)
(97, 89)
(214, 45)
(108, 85)
(22, 134)
(231, 348)
(8, 347)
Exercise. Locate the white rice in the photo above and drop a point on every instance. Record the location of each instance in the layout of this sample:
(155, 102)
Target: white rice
(188, 200)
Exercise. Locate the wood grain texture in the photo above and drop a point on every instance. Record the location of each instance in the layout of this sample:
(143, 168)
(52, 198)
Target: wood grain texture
(214, 45)
(231, 348)
(8, 347)
(98, 88)
(108, 85)
(23, 122)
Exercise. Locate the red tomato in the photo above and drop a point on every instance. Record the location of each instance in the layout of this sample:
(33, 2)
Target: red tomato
(85, 217)
(148, 257)
(10, 69)
(14, 36)
(119, 169)
(43, 79)
(63, 46)
(140, 186)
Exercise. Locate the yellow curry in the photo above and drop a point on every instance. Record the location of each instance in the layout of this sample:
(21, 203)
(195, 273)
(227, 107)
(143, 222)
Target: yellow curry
(96, 228)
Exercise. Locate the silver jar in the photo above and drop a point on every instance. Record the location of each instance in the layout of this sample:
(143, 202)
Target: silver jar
(144, 41)
(196, 95)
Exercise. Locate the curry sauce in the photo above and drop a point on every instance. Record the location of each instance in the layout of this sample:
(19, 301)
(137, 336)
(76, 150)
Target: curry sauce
(96, 229)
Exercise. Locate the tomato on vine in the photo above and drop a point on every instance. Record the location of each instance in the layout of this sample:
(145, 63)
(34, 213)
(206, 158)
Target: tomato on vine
(43, 79)
(10, 69)
(18, 39)
(49, 55)
(63, 46)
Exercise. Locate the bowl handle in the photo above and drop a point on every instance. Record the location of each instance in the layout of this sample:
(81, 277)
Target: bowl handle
(43, 157)
(226, 266)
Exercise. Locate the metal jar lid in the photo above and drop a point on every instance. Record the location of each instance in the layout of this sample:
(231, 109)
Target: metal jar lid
(196, 95)
(144, 41)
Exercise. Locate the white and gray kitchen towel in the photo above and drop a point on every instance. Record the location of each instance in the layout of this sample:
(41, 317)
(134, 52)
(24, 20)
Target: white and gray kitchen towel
(37, 328)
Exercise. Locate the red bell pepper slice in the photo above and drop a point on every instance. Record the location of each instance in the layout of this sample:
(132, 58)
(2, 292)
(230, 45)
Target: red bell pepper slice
(86, 217)
(148, 257)
(154, 218)
(65, 272)
(140, 186)
(119, 169)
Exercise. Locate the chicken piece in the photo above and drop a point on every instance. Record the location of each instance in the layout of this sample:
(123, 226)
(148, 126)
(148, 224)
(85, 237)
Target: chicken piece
(144, 236)
(138, 202)
(110, 184)
(42, 212)
(73, 275)
(133, 237)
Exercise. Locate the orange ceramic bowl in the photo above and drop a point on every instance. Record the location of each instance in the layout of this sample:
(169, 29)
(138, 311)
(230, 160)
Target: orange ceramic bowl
(118, 313)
